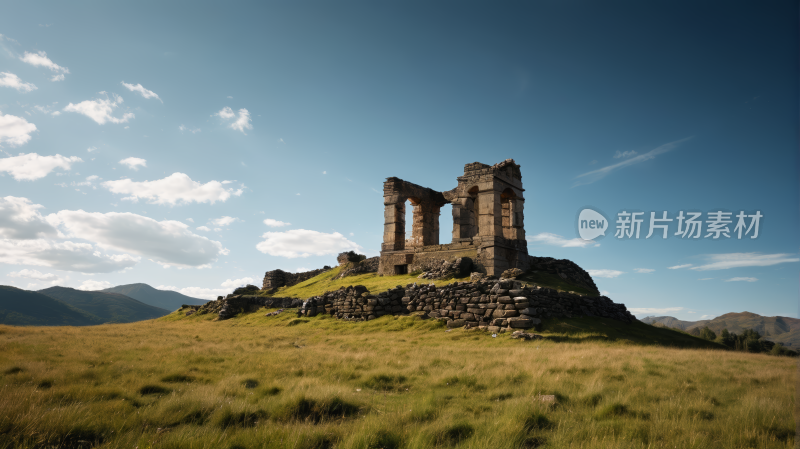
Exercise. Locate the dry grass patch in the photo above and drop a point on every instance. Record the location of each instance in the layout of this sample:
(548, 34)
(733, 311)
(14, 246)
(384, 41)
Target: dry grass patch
(402, 382)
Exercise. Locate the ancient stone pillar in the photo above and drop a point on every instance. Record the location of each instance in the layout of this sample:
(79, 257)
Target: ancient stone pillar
(394, 226)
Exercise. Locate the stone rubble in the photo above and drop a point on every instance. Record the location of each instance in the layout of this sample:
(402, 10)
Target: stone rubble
(444, 269)
(565, 269)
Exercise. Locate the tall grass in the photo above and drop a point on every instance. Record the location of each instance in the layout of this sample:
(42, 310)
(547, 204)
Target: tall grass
(256, 381)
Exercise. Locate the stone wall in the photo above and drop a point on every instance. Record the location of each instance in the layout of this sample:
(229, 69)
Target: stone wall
(488, 304)
(565, 269)
(234, 305)
(278, 278)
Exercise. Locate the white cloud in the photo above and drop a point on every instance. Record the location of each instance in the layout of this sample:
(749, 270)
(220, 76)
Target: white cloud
(653, 310)
(183, 128)
(604, 273)
(166, 242)
(596, 175)
(618, 155)
(66, 256)
(33, 274)
(100, 110)
(134, 162)
(174, 189)
(15, 130)
(301, 270)
(20, 220)
(548, 238)
(235, 283)
(31, 166)
(678, 267)
(144, 92)
(739, 260)
(707, 317)
(241, 123)
(199, 292)
(275, 223)
(91, 149)
(304, 243)
(40, 59)
(190, 220)
(224, 220)
(643, 270)
(742, 279)
(324, 172)
(203, 228)
(8, 79)
(91, 285)
(605, 293)
(209, 293)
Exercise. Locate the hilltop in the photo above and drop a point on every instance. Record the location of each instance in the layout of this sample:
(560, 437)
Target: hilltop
(110, 307)
(25, 308)
(163, 299)
(778, 329)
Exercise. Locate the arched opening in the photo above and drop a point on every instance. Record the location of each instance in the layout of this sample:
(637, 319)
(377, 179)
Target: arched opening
(446, 224)
(510, 219)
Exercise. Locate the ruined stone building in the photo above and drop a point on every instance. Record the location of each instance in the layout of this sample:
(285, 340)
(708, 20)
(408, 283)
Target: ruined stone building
(488, 226)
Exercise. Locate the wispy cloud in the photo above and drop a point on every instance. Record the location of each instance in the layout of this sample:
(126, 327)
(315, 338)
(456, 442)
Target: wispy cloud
(240, 123)
(741, 279)
(643, 270)
(548, 238)
(739, 260)
(623, 154)
(275, 223)
(100, 110)
(40, 59)
(8, 79)
(141, 90)
(654, 310)
(600, 173)
(605, 273)
(134, 162)
(678, 267)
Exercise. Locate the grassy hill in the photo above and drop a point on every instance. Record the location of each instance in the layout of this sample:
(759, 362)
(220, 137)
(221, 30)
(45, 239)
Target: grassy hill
(163, 299)
(25, 308)
(110, 307)
(393, 382)
(325, 282)
(774, 328)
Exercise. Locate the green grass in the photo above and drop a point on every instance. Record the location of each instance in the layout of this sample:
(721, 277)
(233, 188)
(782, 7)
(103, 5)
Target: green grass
(375, 284)
(395, 382)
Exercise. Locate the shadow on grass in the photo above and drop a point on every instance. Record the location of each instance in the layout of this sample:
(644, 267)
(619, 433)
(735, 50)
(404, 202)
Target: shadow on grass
(596, 329)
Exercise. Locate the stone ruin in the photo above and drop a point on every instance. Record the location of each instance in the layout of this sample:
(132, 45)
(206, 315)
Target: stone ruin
(488, 242)
(488, 220)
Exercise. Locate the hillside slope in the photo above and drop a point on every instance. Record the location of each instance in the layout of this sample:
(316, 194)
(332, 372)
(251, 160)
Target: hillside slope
(774, 328)
(25, 308)
(110, 307)
(163, 299)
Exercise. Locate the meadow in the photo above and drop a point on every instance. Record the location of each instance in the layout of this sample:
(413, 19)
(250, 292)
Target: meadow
(395, 382)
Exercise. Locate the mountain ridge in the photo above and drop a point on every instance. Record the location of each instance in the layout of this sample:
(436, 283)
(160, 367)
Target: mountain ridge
(163, 299)
(110, 307)
(785, 330)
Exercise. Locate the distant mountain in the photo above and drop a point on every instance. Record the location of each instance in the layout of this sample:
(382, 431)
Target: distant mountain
(164, 299)
(781, 329)
(669, 321)
(25, 308)
(110, 307)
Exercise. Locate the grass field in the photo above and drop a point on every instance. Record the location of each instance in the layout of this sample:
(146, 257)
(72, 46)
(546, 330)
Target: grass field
(284, 382)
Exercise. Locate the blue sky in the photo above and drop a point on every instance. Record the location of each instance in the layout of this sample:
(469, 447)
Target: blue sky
(195, 145)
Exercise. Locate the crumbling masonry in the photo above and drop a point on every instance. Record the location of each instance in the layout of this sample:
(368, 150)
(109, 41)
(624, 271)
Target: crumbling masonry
(488, 219)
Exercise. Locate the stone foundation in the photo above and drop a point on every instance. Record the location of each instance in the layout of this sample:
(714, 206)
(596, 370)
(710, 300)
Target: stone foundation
(490, 304)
